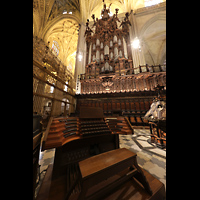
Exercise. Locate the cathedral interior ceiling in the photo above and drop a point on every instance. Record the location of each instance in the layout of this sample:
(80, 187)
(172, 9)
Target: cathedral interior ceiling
(65, 33)
(50, 24)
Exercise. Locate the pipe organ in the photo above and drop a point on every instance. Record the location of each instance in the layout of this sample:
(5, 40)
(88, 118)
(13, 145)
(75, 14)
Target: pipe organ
(109, 57)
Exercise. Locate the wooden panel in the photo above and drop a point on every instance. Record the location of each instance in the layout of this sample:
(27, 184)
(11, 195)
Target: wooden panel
(128, 107)
(97, 163)
(142, 105)
(147, 105)
(137, 105)
(92, 112)
(132, 106)
(122, 106)
(138, 119)
(101, 105)
(118, 106)
(132, 119)
(105, 106)
(109, 106)
(114, 106)
(49, 188)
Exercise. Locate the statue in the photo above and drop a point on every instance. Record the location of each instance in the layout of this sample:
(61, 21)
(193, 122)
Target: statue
(88, 30)
(125, 23)
(96, 24)
(105, 12)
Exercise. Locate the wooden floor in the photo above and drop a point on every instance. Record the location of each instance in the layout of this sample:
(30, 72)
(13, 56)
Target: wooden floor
(131, 190)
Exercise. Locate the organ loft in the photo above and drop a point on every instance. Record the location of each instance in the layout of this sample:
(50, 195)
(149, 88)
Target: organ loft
(99, 100)
(109, 63)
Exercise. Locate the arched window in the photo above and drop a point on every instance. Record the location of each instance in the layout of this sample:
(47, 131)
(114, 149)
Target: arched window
(70, 66)
(52, 88)
(65, 89)
(63, 105)
(55, 48)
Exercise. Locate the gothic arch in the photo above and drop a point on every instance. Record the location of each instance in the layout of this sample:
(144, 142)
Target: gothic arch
(153, 37)
(150, 22)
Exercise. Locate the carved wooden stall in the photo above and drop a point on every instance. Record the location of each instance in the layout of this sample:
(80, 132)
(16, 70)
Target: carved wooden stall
(133, 105)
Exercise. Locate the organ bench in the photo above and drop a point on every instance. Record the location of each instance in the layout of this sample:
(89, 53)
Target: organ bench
(103, 166)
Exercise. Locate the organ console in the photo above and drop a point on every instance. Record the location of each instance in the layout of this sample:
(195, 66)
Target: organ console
(91, 122)
(76, 139)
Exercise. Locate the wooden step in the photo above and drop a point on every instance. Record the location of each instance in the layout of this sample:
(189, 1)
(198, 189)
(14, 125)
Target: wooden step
(101, 162)
(130, 190)
(103, 166)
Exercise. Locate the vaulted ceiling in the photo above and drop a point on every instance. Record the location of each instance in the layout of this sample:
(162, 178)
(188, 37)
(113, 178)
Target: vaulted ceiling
(45, 11)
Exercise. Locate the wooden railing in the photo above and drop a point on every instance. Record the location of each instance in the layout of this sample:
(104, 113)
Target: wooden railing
(129, 71)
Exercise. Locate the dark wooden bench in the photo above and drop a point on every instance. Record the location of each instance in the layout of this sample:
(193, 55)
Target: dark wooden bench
(103, 166)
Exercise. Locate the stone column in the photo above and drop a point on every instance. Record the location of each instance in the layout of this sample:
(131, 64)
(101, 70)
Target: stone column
(81, 47)
(137, 54)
